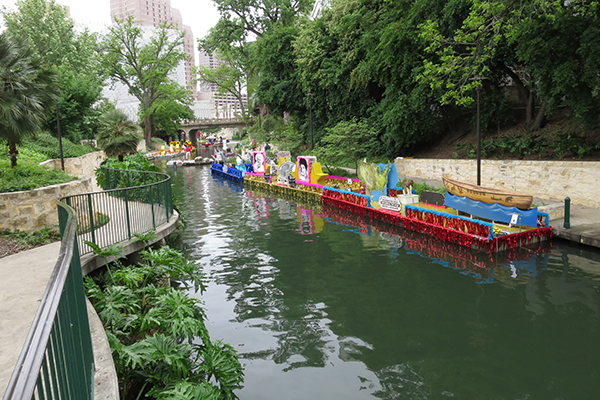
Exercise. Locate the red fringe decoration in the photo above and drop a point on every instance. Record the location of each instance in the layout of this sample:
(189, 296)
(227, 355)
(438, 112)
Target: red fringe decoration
(432, 225)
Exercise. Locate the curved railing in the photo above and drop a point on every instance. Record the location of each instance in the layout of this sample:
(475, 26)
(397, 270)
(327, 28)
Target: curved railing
(57, 358)
(120, 210)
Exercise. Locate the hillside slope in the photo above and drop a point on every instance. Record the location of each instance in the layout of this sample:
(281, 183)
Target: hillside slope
(558, 140)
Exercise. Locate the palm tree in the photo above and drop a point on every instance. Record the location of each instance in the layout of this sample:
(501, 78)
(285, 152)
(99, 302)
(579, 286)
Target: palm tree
(27, 93)
(117, 135)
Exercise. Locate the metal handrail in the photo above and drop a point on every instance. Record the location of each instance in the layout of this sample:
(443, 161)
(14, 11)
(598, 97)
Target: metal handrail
(57, 358)
(126, 210)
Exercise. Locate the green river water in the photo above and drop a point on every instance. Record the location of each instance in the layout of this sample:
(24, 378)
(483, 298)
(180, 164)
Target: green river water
(321, 304)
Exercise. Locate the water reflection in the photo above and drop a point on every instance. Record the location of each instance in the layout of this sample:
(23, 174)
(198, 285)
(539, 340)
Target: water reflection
(322, 304)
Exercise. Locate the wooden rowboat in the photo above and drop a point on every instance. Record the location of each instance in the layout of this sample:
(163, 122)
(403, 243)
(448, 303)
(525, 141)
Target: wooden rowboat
(488, 195)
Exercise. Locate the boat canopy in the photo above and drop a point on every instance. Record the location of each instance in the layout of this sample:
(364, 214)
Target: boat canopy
(494, 212)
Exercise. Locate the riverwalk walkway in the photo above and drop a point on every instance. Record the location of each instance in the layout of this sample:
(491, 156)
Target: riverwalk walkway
(26, 274)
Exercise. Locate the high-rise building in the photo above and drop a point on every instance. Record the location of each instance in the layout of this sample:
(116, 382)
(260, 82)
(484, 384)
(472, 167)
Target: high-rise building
(152, 13)
(222, 106)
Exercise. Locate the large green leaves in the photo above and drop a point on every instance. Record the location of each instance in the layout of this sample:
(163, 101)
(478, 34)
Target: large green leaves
(117, 135)
(151, 327)
(27, 92)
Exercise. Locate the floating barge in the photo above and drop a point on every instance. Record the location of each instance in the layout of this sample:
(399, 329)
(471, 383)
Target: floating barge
(474, 224)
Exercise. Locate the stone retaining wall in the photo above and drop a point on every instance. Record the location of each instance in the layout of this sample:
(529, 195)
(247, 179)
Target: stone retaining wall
(552, 180)
(81, 166)
(34, 209)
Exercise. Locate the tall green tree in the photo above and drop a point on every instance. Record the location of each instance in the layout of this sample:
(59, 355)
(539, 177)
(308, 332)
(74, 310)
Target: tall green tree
(117, 135)
(279, 87)
(347, 141)
(48, 29)
(28, 93)
(143, 63)
(538, 45)
(168, 116)
(241, 23)
(234, 74)
(229, 78)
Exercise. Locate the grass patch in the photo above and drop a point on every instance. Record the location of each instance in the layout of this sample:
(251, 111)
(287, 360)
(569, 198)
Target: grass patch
(84, 226)
(12, 242)
(28, 175)
(45, 145)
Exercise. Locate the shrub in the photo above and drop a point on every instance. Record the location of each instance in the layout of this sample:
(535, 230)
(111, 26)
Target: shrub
(157, 333)
(28, 175)
(47, 145)
(135, 162)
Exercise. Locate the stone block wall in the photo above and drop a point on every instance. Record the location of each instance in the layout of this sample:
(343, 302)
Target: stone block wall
(81, 166)
(34, 209)
(551, 180)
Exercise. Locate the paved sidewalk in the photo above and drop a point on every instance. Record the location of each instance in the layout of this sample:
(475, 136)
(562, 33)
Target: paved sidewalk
(25, 276)
(585, 226)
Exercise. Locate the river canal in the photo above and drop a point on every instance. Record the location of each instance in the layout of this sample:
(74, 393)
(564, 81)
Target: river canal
(323, 305)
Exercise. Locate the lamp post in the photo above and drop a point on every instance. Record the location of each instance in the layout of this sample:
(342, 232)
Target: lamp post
(478, 141)
(479, 79)
(60, 145)
(312, 143)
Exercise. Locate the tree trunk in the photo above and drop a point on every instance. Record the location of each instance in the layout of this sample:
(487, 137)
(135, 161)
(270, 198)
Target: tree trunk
(148, 130)
(12, 150)
(540, 118)
(529, 110)
(525, 93)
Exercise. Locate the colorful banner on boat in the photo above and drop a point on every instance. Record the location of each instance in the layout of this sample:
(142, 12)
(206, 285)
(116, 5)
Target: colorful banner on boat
(493, 212)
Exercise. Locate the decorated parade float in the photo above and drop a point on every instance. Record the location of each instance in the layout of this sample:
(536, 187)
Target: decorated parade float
(482, 219)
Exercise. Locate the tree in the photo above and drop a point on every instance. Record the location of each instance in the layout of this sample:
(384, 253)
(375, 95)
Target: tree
(167, 117)
(279, 87)
(117, 136)
(240, 24)
(47, 28)
(229, 79)
(539, 45)
(144, 65)
(28, 93)
(234, 75)
(255, 17)
(347, 141)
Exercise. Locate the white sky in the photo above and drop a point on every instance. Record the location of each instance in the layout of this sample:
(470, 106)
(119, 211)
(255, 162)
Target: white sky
(200, 15)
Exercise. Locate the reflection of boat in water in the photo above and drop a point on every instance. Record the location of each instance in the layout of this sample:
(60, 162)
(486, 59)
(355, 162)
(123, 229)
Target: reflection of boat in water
(488, 195)
(477, 264)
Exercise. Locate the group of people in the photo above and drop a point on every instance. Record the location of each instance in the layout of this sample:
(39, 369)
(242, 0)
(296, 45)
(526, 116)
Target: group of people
(255, 146)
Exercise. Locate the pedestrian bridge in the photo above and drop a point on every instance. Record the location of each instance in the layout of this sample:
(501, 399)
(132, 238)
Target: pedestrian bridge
(189, 128)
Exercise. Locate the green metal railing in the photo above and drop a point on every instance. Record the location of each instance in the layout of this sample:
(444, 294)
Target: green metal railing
(57, 359)
(115, 214)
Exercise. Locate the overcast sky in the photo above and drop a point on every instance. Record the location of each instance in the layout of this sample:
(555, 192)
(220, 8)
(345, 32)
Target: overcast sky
(200, 15)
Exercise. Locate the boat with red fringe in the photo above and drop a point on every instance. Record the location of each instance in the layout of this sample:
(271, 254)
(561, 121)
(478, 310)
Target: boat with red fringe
(474, 224)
